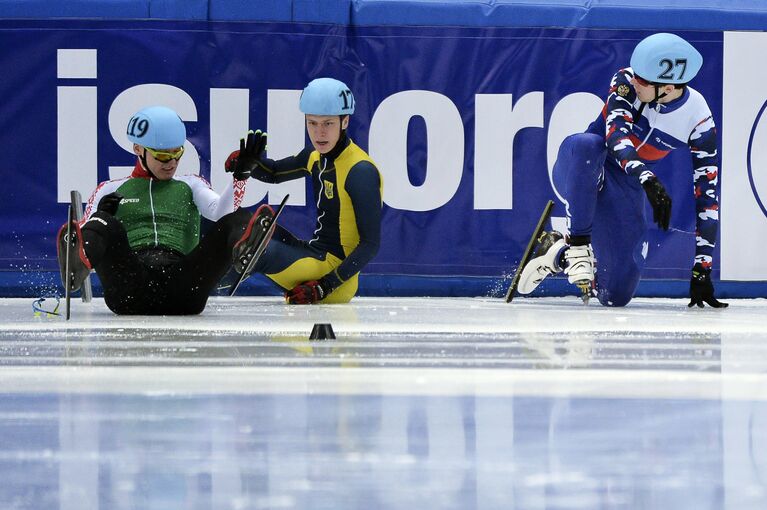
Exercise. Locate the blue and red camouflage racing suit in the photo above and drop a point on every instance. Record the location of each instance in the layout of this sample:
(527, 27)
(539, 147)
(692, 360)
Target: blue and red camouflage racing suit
(602, 170)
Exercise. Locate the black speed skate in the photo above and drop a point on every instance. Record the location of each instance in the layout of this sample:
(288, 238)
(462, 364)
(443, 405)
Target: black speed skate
(74, 265)
(249, 248)
(257, 233)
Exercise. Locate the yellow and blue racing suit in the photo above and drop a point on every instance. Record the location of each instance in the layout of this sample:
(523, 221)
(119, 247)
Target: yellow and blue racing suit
(347, 189)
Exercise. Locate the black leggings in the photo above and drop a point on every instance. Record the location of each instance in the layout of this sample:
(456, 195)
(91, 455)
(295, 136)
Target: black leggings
(172, 287)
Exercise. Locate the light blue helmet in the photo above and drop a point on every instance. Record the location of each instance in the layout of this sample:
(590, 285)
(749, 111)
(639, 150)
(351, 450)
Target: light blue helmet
(326, 96)
(157, 127)
(666, 58)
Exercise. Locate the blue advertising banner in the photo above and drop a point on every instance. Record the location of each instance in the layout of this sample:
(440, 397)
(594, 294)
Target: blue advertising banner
(464, 124)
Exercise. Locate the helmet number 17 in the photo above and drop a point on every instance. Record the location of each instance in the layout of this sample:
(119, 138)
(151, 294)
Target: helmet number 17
(347, 96)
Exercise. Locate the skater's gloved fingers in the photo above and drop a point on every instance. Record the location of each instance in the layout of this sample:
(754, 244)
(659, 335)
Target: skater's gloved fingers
(305, 293)
(308, 293)
(659, 200)
(662, 210)
(260, 144)
(256, 144)
(243, 162)
(110, 202)
(702, 288)
(714, 303)
(249, 143)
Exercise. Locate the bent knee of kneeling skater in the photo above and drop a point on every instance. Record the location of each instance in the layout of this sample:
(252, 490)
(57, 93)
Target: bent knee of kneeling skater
(584, 144)
(613, 300)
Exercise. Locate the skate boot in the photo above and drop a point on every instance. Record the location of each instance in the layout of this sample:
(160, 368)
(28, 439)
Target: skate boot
(546, 261)
(76, 264)
(579, 268)
(253, 242)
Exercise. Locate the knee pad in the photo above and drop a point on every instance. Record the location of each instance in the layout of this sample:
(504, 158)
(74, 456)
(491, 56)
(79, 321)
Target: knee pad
(100, 231)
(581, 157)
(100, 223)
(584, 143)
(613, 299)
(585, 150)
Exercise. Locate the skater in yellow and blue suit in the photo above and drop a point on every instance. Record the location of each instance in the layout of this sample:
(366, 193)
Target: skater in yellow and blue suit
(347, 192)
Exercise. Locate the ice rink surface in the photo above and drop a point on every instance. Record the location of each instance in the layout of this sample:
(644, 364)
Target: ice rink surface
(435, 403)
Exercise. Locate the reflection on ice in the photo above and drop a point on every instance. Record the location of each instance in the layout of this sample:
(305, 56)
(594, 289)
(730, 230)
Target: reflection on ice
(438, 403)
(372, 451)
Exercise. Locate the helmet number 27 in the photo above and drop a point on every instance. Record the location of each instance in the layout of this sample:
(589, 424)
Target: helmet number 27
(668, 66)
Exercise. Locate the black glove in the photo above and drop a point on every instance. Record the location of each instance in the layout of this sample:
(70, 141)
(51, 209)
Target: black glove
(660, 201)
(242, 162)
(308, 293)
(109, 203)
(701, 288)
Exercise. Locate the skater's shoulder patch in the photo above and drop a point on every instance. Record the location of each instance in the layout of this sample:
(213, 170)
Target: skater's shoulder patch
(623, 90)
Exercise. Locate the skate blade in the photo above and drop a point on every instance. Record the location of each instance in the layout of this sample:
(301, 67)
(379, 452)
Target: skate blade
(585, 287)
(268, 224)
(529, 250)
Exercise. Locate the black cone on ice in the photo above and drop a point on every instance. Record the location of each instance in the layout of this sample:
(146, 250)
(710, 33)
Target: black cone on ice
(322, 332)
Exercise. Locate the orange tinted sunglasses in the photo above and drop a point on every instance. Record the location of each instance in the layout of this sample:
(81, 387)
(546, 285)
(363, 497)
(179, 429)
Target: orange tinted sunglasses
(165, 156)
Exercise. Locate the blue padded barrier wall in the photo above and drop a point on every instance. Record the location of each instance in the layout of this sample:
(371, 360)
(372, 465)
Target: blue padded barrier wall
(262, 10)
(111, 9)
(322, 11)
(516, 13)
(74, 9)
(657, 14)
(678, 14)
(178, 9)
(610, 14)
(205, 57)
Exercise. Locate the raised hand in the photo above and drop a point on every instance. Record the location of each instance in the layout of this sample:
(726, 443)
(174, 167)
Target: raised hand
(242, 162)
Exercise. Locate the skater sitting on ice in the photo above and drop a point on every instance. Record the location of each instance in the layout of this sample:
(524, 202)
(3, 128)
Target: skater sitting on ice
(347, 192)
(143, 237)
(606, 173)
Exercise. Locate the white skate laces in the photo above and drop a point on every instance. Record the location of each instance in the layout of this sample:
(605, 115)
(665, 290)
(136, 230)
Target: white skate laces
(579, 265)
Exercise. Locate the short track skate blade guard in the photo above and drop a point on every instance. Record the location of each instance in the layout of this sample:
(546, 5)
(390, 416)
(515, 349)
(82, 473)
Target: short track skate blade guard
(260, 248)
(529, 250)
